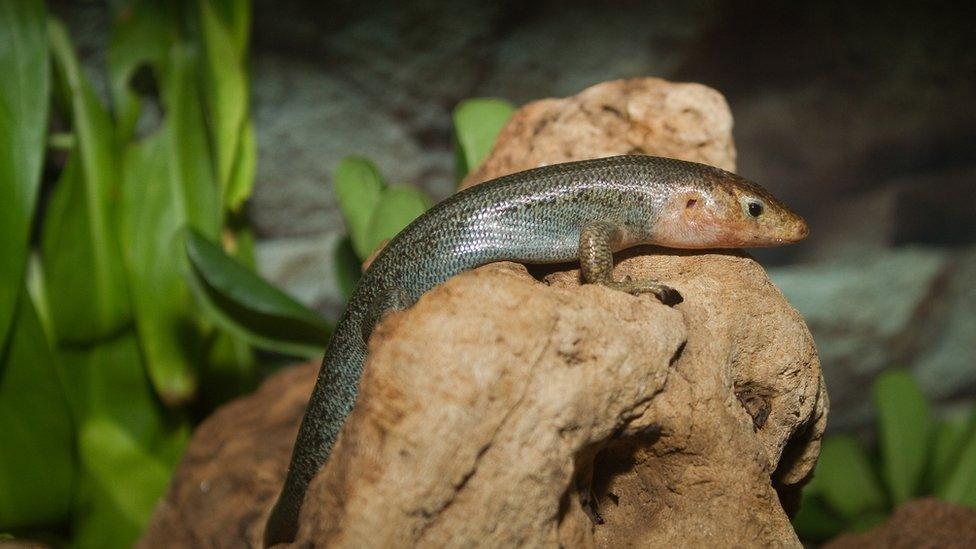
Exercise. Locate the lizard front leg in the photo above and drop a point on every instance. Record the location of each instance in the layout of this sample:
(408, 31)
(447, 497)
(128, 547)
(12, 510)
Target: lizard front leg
(597, 242)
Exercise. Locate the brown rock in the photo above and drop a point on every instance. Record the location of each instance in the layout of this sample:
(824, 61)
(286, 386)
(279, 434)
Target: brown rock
(919, 524)
(484, 405)
(482, 437)
(635, 116)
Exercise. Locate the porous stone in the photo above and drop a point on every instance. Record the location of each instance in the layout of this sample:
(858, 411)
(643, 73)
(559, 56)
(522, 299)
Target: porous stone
(638, 115)
(920, 523)
(481, 438)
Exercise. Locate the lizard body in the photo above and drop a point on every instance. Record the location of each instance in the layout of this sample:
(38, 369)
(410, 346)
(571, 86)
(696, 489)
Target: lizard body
(579, 210)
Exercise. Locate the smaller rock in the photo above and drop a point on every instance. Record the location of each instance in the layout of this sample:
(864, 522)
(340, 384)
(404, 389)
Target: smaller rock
(635, 116)
(921, 523)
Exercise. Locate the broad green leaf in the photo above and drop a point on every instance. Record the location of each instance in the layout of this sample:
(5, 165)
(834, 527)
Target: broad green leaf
(226, 91)
(37, 465)
(358, 185)
(236, 14)
(398, 206)
(107, 380)
(477, 122)
(23, 124)
(80, 251)
(38, 293)
(140, 36)
(948, 442)
(168, 183)
(815, 522)
(848, 483)
(961, 484)
(106, 384)
(231, 367)
(229, 371)
(242, 178)
(348, 267)
(165, 311)
(904, 429)
(245, 305)
(122, 483)
(195, 189)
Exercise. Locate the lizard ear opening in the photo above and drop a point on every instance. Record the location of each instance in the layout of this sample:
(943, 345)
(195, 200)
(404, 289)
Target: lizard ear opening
(691, 203)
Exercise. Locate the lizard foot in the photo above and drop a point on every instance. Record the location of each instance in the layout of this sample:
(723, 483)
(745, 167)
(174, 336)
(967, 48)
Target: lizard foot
(665, 294)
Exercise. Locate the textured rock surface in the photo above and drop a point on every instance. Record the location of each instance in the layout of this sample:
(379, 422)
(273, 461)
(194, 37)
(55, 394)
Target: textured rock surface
(640, 115)
(920, 523)
(233, 467)
(482, 405)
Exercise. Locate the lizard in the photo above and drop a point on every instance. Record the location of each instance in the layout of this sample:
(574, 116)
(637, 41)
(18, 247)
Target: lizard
(583, 210)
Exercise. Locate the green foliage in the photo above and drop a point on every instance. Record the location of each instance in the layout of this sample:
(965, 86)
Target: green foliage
(117, 512)
(849, 484)
(917, 456)
(904, 423)
(373, 211)
(38, 437)
(80, 251)
(398, 206)
(477, 122)
(247, 306)
(358, 185)
(23, 122)
(108, 343)
(960, 483)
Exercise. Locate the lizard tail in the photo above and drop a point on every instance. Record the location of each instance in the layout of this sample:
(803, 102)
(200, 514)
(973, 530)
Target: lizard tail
(331, 401)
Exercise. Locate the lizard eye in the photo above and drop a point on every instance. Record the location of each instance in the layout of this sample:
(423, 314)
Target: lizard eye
(755, 209)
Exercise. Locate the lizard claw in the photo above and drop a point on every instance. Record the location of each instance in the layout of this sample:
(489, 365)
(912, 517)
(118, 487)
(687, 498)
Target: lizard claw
(665, 294)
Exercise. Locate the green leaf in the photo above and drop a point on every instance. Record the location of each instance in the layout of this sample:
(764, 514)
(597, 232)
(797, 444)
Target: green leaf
(123, 482)
(168, 183)
(226, 91)
(948, 442)
(815, 522)
(348, 267)
(477, 123)
(358, 185)
(37, 465)
(24, 103)
(195, 189)
(231, 366)
(141, 34)
(107, 380)
(165, 312)
(236, 14)
(80, 252)
(961, 484)
(848, 483)
(230, 369)
(398, 206)
(242, 180)
(108, 391)
(245, 305)
(904, 429)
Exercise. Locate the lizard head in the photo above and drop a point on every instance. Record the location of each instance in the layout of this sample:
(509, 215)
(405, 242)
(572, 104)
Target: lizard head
(718, 209)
